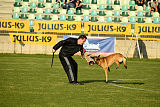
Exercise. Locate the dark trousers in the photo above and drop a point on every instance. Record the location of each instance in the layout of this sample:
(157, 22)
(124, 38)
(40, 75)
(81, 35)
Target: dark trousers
(70, 66)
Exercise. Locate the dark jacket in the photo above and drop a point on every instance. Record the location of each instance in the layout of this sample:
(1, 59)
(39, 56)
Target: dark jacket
(69, 47)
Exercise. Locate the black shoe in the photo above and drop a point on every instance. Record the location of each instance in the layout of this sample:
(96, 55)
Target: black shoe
(77, 83)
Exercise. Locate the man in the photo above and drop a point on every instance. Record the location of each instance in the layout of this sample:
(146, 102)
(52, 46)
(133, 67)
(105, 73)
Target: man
(70, 46)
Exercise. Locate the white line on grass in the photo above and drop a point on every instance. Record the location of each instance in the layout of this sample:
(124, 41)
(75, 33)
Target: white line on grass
(113, 83)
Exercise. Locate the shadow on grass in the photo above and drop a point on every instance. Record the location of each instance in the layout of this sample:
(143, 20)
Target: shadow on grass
(114, 82)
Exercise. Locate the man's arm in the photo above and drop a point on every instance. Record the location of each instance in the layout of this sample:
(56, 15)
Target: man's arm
(59, 44)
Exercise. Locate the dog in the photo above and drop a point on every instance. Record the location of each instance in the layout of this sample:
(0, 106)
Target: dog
(106, 62)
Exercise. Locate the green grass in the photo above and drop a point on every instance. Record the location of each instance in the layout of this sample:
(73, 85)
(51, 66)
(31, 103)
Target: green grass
(29, 81)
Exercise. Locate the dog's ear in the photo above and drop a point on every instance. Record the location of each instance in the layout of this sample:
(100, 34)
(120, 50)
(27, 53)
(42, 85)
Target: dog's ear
(89, 55)
(98, 56)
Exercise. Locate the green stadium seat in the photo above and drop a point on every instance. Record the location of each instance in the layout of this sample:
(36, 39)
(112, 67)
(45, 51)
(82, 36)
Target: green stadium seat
(54, 1)
(132, 20)
(34, 1)
(55, 17)
(48, 5)
(85, 18)
(116, 7)
(85, 12)
(93, 7)
(140, 20)
(33, 5)
(94, 19)
(41, 1)
(139, 8)
(25, 4)
(78, 12)
(109, 2)
(47, 11)
(102, 2)
(62, 18)
(148, 20)
(24, 10)
(124, 19)
(101, 19)
(147, 8)
(109, 13)
(31, 22)
(63, 11)
(56, 6)
(124, 2)
(25, 0)
(132, 14)
(39, 17)
(109, 19)
(148, 14)
(132, 8)
(116, 13)
(18, 0)
(86, 2)
(70, 18)
(78, 18)
(117, 19)
(16, 10)
(101, 7)
(116, 2)
(125, 13)
(109, 7)
(31, 16)
(124, 8)
(55, 11)
(86, 7)
(41, 5)
(24, 16)
(102, 13)
(70, 12)
(132, 2)
(32, 10)
(17, 4)
(47, 17)
(48, 1)
(94, 13)
(94, 2)
(140, 14)
(40, 10)
(15, 16)
(156, 20)
(155, 14)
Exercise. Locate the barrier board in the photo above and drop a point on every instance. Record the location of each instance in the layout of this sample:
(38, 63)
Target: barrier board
(106, 28)
(27, 38)
(14, 25)
(147, 29)
(57, 26)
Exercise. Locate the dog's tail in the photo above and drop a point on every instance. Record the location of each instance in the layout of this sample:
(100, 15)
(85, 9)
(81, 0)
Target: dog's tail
(125, 62)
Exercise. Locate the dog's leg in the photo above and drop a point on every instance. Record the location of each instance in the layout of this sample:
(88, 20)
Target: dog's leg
(109, 69)
(106, 69)
(117, 64)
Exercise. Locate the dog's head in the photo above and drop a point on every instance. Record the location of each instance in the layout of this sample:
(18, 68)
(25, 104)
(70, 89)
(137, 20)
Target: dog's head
(96, 59)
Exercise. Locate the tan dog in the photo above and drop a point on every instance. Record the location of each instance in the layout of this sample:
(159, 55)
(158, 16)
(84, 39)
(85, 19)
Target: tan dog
(106, 62)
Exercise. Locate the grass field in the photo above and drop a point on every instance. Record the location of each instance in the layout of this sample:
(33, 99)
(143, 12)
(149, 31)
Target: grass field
(29, 81)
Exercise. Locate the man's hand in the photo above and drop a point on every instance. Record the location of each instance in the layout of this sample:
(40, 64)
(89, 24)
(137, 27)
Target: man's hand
(54, 51)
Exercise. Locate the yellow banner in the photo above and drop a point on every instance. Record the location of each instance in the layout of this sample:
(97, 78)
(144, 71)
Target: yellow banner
(14, 25)
(147, 29)
(106, 28)
(57, 26)
(27, 38)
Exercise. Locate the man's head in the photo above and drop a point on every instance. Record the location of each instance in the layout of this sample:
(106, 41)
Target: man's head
(81, 39)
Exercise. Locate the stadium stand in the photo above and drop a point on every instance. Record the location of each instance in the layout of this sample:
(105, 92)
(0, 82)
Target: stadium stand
(117, 11)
